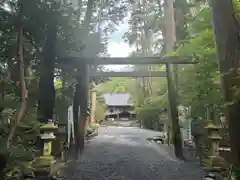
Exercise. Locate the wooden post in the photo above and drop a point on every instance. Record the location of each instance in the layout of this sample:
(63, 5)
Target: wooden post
(170, 38)
(76, 115)
(93, 103)
(84, 92)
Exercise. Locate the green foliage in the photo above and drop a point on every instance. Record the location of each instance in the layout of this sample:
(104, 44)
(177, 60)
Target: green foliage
(72, 40)
(119, 84)
(100, 111)
(24, 145)
(151, 114)
(198, 83)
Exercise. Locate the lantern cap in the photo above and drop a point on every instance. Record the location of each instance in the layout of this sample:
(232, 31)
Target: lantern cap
(49, 126)
(48, 136)
(215, 137)
(212, 126)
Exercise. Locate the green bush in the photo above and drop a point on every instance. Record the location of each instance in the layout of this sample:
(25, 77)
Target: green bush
(151, 114)
(23, 149)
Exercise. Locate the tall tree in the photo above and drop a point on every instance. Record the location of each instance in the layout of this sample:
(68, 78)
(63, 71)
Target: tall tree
(81, 88)
(46, 81)
(226, 28)
(145, 34)
(181, 10)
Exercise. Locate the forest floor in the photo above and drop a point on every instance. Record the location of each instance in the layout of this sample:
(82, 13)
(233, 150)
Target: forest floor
(119, 153)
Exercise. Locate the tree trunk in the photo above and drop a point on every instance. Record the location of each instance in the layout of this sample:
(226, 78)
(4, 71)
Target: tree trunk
(82, 90)
(80, 104)
(144, 88)
(181, 10)
(145, 42)
(46, 83)
(84, 94)
(2, 84)
(170, 38)
(24, 92)
(76, 115)
(88, 16)
(227, 40)
(79, 9)
(93, 104)
(3, 165)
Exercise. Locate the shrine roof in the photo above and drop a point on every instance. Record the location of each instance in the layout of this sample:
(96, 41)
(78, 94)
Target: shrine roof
(118, 99)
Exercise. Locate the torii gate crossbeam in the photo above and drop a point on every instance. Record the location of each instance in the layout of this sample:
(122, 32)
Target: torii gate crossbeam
(129, 74)
(129, 60)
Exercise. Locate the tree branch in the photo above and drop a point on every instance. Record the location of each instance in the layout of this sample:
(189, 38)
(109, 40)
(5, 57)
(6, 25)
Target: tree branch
(32, 42)
(24, 92)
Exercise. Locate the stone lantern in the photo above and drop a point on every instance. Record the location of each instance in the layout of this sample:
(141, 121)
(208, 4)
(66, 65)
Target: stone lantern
(48, 136)
(214, 139)
(44, 163)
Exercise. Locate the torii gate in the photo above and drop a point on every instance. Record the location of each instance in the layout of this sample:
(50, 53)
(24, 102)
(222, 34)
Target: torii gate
(83, 64)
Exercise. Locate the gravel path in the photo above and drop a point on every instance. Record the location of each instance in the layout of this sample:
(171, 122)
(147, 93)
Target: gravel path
(124, 153)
